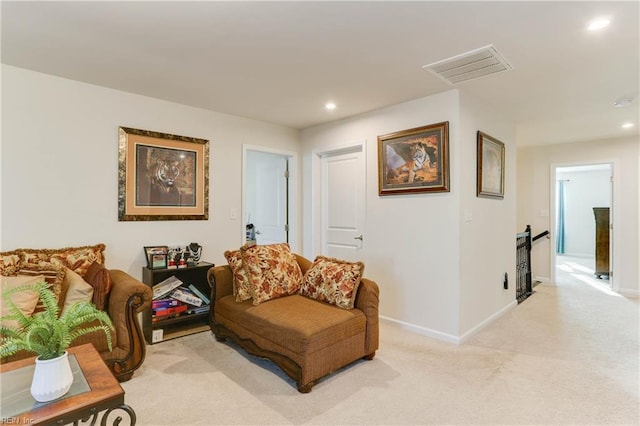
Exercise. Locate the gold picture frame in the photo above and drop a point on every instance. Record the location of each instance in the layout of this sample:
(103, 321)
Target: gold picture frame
(162, 176)
(490, 167)
(414, 160)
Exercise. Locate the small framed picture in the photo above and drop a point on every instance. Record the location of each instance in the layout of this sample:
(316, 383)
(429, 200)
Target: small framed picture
(156, 256)
(490, 167)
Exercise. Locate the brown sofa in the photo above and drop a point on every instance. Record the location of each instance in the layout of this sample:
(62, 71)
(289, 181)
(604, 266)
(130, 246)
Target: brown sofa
(126, 298)
(306, 338)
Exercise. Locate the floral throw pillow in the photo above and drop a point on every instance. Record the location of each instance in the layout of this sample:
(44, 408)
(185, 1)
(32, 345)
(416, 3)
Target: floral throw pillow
(241, 284)
(273, 271)
(9, 263)
(333, 281)
(78, 259)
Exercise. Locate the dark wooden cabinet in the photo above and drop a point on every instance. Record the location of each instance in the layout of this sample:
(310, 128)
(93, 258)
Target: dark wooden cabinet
(602, 241)
(155, 332)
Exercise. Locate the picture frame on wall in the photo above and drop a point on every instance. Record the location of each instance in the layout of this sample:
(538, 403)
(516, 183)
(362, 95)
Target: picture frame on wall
(414, 160)
(490, 166)
(156, 256)
(162, 176)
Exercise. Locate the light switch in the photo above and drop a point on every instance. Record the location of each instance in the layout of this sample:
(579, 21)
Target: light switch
(468, 215)
(233, 214)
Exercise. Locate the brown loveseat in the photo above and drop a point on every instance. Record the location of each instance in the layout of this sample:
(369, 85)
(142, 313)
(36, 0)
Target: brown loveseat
(306, 338)
(121, 295)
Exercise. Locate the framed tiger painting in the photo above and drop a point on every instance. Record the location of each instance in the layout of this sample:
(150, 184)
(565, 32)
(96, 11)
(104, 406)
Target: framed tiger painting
(162, 176)
(414, 160)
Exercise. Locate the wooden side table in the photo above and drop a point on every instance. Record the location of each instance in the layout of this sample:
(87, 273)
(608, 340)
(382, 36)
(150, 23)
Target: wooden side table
(94, 390)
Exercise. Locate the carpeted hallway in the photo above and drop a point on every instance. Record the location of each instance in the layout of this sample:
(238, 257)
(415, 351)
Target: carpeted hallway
(567, 355)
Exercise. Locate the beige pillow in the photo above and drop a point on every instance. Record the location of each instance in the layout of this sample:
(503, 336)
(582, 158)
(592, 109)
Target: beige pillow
(25, 300)
(78, 290)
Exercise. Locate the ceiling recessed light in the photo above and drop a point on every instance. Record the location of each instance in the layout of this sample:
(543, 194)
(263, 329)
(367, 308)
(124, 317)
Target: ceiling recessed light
(598, 24)
(330, 105)
(627, 125)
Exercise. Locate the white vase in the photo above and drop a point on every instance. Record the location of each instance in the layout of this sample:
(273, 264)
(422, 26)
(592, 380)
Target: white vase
(52, 378)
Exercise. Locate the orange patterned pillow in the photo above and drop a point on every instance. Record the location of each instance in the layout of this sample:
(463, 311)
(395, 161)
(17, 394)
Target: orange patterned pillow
(9, 263)
(241, 284)
(54, 276)
(78, 259)
(333, 281)
(273, 271)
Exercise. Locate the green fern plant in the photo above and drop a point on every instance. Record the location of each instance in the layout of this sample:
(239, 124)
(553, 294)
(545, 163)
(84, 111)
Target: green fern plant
(46, 333)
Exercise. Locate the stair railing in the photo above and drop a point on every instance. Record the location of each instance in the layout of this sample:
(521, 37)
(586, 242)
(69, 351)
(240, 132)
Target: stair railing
(524, 243)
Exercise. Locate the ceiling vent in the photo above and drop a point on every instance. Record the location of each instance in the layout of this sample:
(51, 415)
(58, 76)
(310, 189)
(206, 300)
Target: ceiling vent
(470, 65)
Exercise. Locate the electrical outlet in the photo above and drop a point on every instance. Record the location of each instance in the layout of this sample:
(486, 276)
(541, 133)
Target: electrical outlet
(157, 335)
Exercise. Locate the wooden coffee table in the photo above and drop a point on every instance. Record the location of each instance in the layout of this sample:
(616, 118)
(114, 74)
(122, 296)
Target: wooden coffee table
(94, 390)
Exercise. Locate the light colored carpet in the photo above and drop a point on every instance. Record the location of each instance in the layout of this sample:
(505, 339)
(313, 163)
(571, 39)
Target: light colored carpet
(567, 355)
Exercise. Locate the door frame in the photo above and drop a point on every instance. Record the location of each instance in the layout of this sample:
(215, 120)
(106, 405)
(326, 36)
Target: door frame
(316, 187)
(614, 217)
(292, 189)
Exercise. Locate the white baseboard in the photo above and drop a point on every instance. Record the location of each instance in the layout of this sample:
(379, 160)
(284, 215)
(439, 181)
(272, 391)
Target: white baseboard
(422, 330)
(449, 337)
(629, 293)
(542, 279)
(488, 321)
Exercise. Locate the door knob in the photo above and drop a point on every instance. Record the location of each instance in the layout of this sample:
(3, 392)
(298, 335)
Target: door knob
(358, 237)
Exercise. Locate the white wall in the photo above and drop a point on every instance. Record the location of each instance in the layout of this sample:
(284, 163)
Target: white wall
(583, 190)
(414, 243)
(488, 239)
(535, 200)
(60, 161)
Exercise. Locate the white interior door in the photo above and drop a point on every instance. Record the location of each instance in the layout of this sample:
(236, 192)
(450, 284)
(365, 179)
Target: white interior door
(267, 196)
(343, 203)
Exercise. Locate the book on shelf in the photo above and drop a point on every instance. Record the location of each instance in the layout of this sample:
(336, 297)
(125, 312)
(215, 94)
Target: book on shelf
(165, 287)
(169, 311)
(164, 317)
(198, 309)
(185, 295)
(198, 293)
(165, 303)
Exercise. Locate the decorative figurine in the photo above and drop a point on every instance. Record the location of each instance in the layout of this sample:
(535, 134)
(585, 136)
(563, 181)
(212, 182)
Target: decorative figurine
(195, 252)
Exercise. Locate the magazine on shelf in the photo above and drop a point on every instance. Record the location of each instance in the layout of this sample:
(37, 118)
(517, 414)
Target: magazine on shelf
(198, 293)
(185, 295)
(164, 287)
